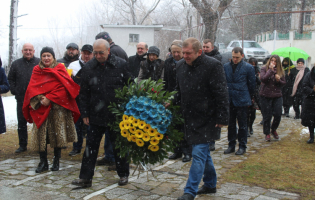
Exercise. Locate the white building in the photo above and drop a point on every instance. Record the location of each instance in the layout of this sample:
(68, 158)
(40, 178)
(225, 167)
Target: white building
(127, 36)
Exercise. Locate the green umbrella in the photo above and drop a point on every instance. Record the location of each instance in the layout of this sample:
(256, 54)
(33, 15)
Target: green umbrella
(292, 52)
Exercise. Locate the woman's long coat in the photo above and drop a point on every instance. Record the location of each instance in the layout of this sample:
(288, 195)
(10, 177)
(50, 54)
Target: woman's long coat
(308, 106)
(4, 88)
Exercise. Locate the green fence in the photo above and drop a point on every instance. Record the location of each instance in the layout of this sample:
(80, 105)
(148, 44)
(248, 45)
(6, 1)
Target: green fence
(283, 36)
(303, 36)
(271, 36)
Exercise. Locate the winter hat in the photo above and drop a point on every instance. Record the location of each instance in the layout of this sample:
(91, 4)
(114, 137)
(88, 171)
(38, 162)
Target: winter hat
(178, 43)
(73, 46)
(87, 47)
(103, 35)
(300, 60)
(49, 50)
(154, 50)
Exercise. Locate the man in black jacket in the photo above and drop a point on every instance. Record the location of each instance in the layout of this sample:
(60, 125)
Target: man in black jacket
(19, 77)
(101, 75)
(202, 92)
(71, 55)
(134, 61)
(210, 50)
(170, 82)
(114, 49)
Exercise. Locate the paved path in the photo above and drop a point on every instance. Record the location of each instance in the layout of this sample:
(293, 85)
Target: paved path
(18, 179)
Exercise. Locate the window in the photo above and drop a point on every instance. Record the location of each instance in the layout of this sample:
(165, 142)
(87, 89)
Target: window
(307, 18)
(235, 44)
(134, 38)
(251, 45)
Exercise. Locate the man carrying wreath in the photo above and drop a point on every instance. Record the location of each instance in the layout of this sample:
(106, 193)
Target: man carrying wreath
(202, 92)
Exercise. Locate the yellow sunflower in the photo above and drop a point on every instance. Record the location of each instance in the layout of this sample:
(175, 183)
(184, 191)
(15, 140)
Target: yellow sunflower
(146, 137)
(122, 125)
(152, 132)
(150, 146)
(132, 130)
(135, 122)
(147, 128)
(142, 124)
(129, 137)
(139, 133)
(139, 142)
(159, 136)
(133, 138)
(154, 148)
(127, 125)
(154, 141)
(125, 118)
(131, 119)
(124, 132)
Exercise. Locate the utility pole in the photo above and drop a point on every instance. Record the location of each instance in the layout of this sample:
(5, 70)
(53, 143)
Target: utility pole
(302, 17)
(13, 31)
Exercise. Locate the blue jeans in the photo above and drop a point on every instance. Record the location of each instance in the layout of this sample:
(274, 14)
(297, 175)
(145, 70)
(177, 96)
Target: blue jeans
(202, 166)
(108, 148)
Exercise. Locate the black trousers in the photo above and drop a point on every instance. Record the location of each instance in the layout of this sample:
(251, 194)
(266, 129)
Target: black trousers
(297, 101)
(93, 140)
(251, 116)
(22, 125)
(182, 146)
(271, 107)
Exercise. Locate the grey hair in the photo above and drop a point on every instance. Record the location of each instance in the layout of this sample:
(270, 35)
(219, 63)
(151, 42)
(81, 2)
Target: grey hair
(101, 42)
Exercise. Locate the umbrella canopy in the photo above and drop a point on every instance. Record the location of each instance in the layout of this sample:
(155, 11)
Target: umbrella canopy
(292, 52)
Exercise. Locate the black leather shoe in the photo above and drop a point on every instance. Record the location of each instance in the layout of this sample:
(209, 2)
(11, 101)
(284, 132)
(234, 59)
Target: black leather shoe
(74, 152)
(310, 141)
(82, 183)
(229, 150)
(206, 190)
(21, 149)
(175, 156)
(105, 162)
(261, 122)
(187, 158)
(123, 181)
(251, 131)
(42, 166)
(240, 152)
(212, 146)
(248, 135)
(186, 196)
(287, 115)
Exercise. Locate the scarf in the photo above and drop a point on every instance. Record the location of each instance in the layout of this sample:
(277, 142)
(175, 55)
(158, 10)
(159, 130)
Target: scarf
(57, 86)
(298, 78)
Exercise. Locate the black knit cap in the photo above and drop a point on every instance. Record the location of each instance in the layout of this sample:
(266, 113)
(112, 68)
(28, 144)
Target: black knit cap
(155, 50)
(103, 35)
(300, 60)
(49, 50)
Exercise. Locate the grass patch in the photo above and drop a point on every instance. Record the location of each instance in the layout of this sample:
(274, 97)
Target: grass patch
(287, 165)
(10, 142)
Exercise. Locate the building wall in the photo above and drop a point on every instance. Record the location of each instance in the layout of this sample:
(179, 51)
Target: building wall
(295, 20)
(306, 45)
(120, 35)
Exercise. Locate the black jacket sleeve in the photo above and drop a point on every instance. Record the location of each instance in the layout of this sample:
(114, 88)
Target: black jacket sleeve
(85, 94)
(12, 78)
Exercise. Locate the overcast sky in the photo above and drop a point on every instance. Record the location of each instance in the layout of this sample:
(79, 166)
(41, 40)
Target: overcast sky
(35, 23)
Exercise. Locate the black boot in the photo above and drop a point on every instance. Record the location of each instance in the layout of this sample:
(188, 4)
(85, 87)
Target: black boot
(251, 131)
(311, 140)
(43, 164)
(57, 155)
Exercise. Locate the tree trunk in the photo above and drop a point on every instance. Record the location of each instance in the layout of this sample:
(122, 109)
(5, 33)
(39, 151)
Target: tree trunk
(211, 26)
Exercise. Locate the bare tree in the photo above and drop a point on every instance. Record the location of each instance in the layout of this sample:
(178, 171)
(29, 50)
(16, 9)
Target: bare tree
(211, 12)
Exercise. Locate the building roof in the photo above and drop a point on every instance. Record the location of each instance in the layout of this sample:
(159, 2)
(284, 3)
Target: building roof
(155, 27)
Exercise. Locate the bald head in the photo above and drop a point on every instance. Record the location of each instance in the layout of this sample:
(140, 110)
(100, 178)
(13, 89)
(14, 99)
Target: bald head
(142, 48)
(28, 51)
(101, 50)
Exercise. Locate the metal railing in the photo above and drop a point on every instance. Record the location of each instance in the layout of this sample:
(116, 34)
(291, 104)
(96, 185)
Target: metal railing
(302, 36)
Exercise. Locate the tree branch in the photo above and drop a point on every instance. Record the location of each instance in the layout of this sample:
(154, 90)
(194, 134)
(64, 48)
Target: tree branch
(151, 10)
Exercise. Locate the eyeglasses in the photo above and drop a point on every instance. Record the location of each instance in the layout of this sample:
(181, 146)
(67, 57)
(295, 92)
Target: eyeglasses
(98, 52)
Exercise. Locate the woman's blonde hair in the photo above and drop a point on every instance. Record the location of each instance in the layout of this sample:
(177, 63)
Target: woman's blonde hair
(279, 67)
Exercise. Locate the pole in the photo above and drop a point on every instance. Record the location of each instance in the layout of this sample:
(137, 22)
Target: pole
(242, 32)
(13, 31)
(274, 39)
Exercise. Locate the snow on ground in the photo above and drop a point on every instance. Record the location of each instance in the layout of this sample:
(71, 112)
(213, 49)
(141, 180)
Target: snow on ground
(9, 104)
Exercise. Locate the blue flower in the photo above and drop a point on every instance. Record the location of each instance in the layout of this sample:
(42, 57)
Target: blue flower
(160, 108)
(133, 99)
(141, 99)
(139, 107)
(168, 114)
(167, 123)
(137, 114)
(147, 102)
(161, 129)
(132, 112)
(154, 104)
(154, 124)
(149, 120)
(127, 112)
(158, 118)
(147, 108)
(144, 116)
(129, 106)
(153, 113)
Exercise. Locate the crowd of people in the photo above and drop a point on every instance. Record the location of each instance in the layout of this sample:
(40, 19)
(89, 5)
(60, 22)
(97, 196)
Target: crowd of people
(211, 94)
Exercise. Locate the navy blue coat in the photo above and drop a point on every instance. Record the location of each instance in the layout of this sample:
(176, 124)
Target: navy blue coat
(4, 88)
(241, 84)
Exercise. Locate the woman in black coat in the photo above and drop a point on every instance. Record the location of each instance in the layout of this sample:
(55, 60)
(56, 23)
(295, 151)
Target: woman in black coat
(4, 88)
(308, 106)
(290, 74)
(252, 109)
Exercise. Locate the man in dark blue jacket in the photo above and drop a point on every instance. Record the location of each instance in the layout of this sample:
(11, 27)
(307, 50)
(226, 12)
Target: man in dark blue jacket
(241, 81)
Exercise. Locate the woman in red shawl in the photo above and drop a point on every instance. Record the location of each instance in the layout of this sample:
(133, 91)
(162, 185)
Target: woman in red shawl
(50, 103)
